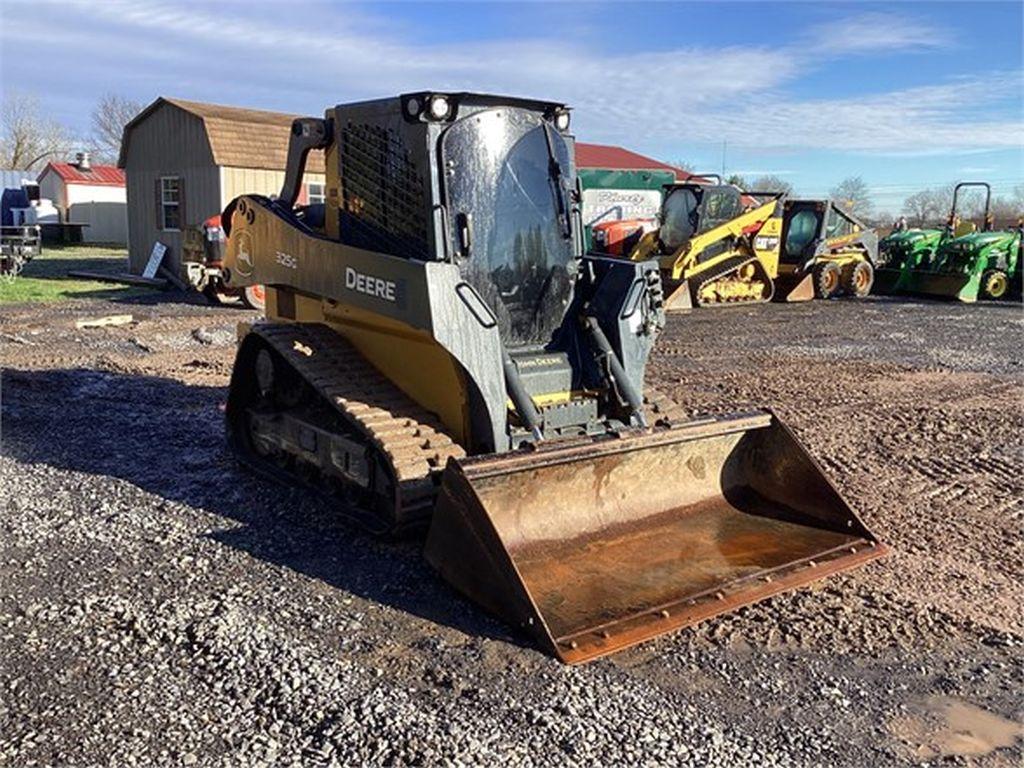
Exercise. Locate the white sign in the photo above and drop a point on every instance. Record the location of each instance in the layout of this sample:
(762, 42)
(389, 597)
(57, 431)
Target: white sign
(159, 249)
(616, 204)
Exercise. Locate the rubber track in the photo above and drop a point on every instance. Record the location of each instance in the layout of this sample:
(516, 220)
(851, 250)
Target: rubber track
(410, 438)
(732, 265)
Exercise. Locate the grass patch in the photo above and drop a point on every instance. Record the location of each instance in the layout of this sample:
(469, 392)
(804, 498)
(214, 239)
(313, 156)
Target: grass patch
(45, 278)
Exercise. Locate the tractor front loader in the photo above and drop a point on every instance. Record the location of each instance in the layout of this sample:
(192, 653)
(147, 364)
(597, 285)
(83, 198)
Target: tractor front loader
(439, 353)
(967, 263)
(909, 261)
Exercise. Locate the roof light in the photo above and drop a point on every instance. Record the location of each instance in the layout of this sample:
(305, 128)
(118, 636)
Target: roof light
(562, 120)
(439, 106)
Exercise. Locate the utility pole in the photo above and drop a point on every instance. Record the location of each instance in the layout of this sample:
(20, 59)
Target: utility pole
(723, 159)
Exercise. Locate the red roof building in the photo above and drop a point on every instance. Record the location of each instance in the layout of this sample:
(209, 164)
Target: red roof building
(607, 157)
(95, 175)
(94, 195)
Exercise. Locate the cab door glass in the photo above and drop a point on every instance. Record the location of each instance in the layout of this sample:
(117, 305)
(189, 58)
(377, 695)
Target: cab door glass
(838, 225)
(721, 206)
(678, 219)
(802, 231)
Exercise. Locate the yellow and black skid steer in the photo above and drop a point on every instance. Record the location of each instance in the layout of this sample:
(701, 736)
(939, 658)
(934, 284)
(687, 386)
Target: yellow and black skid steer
(439, 353)
(825, 252)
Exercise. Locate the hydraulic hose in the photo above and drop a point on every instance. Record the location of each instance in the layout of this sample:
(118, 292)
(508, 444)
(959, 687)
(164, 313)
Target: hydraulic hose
(609, 362)
(521, 398)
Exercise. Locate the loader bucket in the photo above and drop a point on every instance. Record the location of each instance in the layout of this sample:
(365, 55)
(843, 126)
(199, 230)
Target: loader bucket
(793, 288)
(677, 295)
(597, 545)
(951, 285)
(888, 281)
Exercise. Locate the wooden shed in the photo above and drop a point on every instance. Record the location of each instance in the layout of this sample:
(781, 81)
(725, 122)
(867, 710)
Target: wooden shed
(184, 161)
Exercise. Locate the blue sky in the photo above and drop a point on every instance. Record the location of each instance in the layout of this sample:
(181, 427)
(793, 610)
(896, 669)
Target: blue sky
(907, 95)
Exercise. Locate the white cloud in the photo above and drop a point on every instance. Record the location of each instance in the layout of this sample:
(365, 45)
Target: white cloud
(876, 32)
(768, 172)
(301, 57)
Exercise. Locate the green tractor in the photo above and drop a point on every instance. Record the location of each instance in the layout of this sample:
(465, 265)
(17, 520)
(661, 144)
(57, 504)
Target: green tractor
(982, 264)
(970, 263)
(905, 252)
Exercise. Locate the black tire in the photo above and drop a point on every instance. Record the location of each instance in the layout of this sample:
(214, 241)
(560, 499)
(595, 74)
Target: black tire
(994, 284)
(827, 280)
(860, 279)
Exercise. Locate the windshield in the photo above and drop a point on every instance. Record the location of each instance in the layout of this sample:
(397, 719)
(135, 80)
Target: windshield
(801, 232)
(508, 178)
(688, 212)
(679, 221)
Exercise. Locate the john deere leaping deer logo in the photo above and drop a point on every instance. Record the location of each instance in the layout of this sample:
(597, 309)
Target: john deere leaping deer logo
(243, 257)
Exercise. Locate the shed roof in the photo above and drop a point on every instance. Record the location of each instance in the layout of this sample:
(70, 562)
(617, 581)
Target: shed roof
(96, 176)
(606, 156)
(239, 137)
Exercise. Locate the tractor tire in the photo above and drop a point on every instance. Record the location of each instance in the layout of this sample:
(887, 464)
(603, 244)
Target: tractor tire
(254, 297)
(994, 284)
(860, 279)
(827, 279)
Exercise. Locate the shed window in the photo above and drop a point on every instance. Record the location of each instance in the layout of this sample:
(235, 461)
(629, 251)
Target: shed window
(170, 197)
(316, 194)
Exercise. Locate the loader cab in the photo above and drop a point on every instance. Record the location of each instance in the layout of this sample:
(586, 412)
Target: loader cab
(806, 223)
(487, 183)
(691, 209)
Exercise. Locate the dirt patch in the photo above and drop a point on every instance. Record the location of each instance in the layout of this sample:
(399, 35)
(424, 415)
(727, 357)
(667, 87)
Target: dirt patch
(161, 606)
(945, 727)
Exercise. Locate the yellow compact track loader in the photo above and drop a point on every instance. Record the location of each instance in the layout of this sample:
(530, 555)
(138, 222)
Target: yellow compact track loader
(437, 352)
(710, 250)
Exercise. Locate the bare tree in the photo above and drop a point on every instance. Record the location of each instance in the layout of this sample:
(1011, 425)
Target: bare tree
(1006, 211)
(770, 183)
(28, 139)
(109, 118)
(683, 165)
(852, 193)
(737, 180)
(922, 207)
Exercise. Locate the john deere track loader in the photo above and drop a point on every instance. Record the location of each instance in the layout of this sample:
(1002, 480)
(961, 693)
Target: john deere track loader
(438, 353)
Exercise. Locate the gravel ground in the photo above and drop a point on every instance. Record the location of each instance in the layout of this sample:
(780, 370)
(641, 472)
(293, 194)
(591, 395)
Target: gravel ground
(160, 606)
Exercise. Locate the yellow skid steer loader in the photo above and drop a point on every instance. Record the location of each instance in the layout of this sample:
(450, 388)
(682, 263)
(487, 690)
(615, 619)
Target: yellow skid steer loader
(438, 353)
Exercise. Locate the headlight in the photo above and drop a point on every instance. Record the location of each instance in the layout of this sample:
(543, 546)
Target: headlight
(562, 120)
(439, 107)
